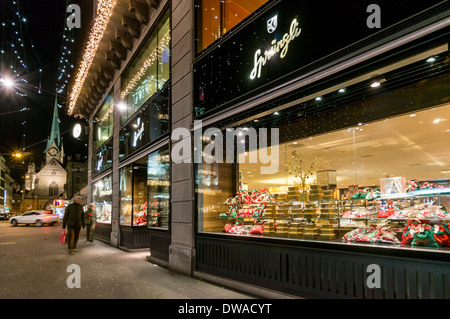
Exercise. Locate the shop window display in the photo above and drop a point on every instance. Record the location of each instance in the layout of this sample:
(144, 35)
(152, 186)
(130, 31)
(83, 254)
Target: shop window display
(133, 194)
(158, 181)
(126, 195)
(144, 191)
(102, 198)
(363, 163)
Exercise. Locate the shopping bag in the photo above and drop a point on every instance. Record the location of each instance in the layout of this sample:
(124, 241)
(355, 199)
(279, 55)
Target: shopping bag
(63, 237)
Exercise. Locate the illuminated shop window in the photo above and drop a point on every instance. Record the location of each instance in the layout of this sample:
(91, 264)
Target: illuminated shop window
(103, 123)
(144, 191)
(148, 72)
(358, 162)
(102, 198)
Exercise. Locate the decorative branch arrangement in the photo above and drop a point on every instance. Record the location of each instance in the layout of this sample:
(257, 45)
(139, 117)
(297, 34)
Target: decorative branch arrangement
(302, 172)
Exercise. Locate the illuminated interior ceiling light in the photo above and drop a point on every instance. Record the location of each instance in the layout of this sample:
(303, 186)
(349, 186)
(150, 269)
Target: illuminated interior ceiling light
(154, 56)
(104, 12)
(276, 113)
(375, 84)
(319, 98)
(431, 60)
(436, 121)
(341, 90)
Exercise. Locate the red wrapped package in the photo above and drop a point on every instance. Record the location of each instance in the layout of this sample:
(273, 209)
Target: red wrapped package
(227, 228)
(369, 237)
(387, 237)
(355, 234)
(408, 232)
(256, 229)
(351, 234)
(442, 235)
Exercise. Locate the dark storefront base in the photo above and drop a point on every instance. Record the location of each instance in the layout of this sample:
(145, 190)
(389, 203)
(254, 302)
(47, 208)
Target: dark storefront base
(103, 232)
(159, 246)
(134, 237)
(326, 270)
(141, 237)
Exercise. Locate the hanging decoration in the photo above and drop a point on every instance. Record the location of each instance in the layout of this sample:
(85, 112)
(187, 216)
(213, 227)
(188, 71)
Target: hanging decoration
(154, 56)
(104, 12)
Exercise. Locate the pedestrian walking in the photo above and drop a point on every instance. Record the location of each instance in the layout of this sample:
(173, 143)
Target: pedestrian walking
(90, 220)
(73, 219)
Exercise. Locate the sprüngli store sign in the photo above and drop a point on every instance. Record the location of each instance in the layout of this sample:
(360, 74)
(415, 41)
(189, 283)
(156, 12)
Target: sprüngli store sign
(285, 40)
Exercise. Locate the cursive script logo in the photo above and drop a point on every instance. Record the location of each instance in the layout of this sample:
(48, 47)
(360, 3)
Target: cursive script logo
(277, 46)
(272, 24)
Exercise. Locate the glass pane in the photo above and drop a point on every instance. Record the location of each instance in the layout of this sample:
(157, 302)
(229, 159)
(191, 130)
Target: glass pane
(103, 123)
(235, 11)
(158, 175)
(149, 70)
(159, 115)
(208, 15)
(217, 17)
(102, 198)
(354, 162)
(126, 195)
(102, 160)
(164, 51)
(139, 195)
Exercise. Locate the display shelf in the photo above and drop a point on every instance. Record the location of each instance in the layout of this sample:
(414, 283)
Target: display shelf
(323, 220)
(436, 192)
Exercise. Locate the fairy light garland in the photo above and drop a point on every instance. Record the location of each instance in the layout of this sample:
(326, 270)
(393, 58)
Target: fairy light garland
(104, 12)
(154, 56)
(65, 61)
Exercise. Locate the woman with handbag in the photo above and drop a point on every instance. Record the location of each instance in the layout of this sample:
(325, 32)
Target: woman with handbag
(90, 221)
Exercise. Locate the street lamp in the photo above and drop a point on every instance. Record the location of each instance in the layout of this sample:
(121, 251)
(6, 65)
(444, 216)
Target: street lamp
(7, 82)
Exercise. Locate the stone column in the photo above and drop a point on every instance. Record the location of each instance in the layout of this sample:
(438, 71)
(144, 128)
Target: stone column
(115, 213)
(89, 160)
(182, 248)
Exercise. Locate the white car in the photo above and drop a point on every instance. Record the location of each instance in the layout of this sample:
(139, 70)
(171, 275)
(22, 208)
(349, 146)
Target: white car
(37, 217)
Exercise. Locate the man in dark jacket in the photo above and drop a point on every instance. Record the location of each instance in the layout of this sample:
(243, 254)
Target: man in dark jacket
(73, 219)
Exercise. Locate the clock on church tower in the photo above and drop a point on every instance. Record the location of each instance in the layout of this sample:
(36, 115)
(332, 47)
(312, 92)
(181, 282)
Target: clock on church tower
(53, 151)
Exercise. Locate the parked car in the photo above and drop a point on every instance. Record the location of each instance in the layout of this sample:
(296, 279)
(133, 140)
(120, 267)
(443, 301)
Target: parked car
(4, 215)
(37, 217)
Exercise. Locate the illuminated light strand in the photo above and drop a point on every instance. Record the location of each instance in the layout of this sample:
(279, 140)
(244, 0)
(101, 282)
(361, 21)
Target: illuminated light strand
(154, 55)
(104, 12)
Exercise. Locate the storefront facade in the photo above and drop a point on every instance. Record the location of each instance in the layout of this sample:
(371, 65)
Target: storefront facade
(319, 145)
(125, 96)
(337, 148)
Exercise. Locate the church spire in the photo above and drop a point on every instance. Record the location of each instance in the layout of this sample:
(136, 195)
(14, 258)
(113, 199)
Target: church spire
(55, 135)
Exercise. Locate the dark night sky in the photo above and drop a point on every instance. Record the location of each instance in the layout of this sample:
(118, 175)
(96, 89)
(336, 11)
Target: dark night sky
(45, 22)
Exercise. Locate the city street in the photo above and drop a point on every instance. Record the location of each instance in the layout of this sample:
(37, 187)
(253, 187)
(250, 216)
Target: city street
(34, 265)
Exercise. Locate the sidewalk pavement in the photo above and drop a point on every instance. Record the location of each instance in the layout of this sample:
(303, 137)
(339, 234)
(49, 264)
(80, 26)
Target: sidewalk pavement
(34, 265)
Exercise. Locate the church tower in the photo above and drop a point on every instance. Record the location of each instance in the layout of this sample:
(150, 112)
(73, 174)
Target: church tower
(54, 148)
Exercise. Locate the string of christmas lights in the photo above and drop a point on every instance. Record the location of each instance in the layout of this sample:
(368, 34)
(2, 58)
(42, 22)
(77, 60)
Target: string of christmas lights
(154, 56)
(13, 57)
(104, 12)
(66, 58)
(15, 41)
